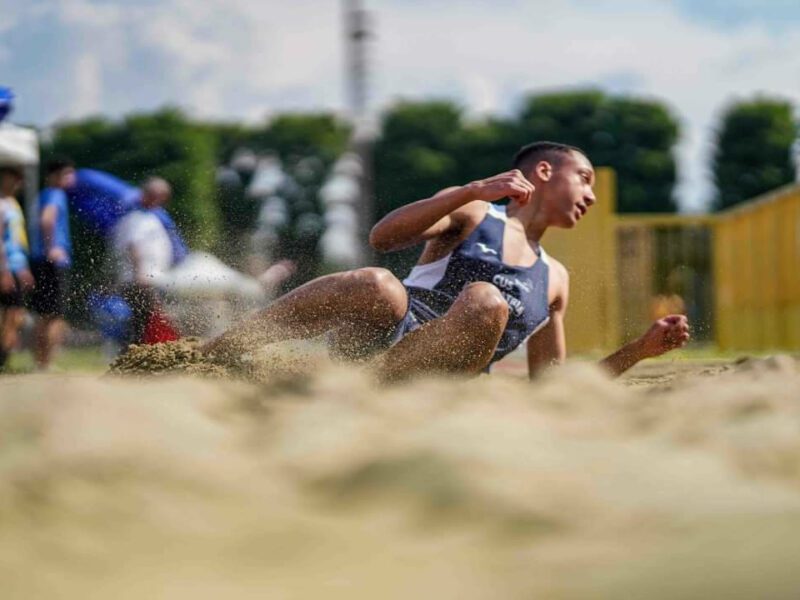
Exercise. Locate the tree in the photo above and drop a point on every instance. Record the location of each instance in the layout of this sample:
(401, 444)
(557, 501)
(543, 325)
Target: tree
(635, 137)
(163, 143)
(426, 146)
(294, 136)
(415, 156)
(753, 150)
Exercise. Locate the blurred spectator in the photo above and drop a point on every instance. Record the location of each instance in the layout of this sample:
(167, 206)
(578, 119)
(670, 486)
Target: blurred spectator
(143, 250)
(100, 200)
(15, 276)
(51, 259)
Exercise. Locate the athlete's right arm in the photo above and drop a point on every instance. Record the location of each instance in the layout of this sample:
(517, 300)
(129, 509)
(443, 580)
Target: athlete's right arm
(444, 212)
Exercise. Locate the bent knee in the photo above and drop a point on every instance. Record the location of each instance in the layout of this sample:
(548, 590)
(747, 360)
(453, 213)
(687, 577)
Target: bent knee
(486, 301)
(377, 281)
(382, 287)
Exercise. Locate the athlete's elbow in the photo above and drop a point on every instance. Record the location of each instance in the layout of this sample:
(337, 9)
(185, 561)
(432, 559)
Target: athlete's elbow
(379, 240)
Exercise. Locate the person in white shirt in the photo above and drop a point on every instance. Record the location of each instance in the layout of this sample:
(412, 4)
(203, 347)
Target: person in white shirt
(143, 253)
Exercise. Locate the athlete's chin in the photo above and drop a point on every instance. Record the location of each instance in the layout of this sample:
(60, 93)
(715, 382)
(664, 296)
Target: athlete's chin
(567, 222)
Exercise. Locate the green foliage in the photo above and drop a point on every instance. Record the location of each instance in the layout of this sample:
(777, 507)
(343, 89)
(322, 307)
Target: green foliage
(426, 146)
(296, 135)
(291, 136)
(633, 136)
(416, 156)
(164, 143)
(753, 153)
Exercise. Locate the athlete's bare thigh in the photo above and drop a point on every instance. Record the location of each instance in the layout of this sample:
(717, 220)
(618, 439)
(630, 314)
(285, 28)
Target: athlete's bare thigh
(462, 341)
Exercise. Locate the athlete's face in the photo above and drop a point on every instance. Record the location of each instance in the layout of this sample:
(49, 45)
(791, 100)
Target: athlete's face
(570, 190)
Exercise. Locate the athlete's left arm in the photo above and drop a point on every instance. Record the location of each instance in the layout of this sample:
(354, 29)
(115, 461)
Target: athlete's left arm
(664, 335)
(548, 346)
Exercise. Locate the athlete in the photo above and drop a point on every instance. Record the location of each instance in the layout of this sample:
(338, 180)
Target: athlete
(483, 285)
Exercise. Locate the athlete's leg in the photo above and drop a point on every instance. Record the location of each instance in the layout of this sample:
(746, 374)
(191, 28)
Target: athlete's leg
(370, 299)
(355, 342)
(461, 341)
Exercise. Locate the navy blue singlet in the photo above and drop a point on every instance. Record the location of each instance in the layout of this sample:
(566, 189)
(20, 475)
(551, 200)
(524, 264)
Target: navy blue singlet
(432, 288)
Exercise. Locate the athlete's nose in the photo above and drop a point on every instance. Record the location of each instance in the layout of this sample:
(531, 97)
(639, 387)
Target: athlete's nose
(589, 198)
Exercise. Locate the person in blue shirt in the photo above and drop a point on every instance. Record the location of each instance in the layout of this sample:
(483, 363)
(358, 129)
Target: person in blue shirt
(483, 285)
(100, 200)
(51, 259)
(15, 275)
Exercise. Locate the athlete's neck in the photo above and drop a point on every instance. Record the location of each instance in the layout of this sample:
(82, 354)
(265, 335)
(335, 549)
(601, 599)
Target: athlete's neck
(530, 218)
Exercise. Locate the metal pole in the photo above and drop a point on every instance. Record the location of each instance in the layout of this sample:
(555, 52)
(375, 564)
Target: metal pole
(357, 35)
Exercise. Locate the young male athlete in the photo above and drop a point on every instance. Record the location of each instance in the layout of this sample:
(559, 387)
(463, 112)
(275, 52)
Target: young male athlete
(482, 287)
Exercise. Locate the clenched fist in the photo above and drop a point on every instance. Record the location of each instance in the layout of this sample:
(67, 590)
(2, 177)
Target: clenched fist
(664, 335)
(511, 184)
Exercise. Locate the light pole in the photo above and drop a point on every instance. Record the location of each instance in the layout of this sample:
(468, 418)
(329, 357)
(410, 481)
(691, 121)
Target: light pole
(358, 33)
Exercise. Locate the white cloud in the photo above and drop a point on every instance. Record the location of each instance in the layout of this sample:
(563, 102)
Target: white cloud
(239, 58)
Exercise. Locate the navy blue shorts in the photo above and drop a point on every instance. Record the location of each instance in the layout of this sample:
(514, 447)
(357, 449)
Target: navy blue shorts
(406, 325)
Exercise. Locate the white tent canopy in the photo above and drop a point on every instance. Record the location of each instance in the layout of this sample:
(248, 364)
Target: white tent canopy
(19, 146)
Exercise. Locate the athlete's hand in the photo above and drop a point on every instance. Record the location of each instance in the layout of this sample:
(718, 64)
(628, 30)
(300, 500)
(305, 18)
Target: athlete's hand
(664, 335)
(511, 184)
(26, 281)
(7, 283)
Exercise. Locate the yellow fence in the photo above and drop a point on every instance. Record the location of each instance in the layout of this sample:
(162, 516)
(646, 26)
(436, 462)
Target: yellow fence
(757, 273)
(738, 272)
(588, 251)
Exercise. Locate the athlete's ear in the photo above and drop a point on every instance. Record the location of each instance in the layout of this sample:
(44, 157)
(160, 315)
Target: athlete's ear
(543, 170)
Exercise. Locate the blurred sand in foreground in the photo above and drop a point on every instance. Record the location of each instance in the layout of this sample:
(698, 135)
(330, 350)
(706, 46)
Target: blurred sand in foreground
(679, 483)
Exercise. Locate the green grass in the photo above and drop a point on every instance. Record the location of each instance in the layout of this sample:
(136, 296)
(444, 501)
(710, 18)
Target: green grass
(73, 360)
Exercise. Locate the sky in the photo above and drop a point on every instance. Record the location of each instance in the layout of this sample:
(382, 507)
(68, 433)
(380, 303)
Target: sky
(248, 59)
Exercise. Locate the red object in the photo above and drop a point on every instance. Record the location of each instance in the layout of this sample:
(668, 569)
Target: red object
(159, 329)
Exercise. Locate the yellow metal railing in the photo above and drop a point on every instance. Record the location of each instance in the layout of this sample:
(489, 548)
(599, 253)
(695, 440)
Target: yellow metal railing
(738, 271)
(588, 251)
(757, 273)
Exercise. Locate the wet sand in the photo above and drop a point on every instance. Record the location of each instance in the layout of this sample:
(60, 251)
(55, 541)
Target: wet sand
(680, 481)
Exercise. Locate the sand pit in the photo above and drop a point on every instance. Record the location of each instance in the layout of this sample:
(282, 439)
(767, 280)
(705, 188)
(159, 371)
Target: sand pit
(573, 487)
(279, 362)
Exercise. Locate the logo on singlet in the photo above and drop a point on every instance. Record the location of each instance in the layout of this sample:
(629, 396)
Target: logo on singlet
(485, 249)
(507, 285)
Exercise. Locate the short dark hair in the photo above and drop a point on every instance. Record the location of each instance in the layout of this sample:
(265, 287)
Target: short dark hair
(56, 164)
(553, 152)
(12, 170)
